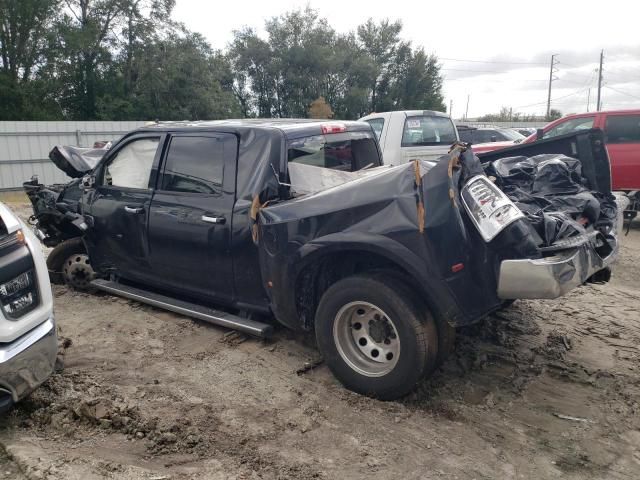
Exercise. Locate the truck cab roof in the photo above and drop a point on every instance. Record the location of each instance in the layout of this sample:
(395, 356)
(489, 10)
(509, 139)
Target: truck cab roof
(290, 127)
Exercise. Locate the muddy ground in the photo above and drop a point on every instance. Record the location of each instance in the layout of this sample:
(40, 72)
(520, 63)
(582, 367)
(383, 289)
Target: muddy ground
(544, 389)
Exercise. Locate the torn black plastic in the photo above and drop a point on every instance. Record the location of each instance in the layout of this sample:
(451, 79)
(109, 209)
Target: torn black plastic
(76, 161)
(552, 192)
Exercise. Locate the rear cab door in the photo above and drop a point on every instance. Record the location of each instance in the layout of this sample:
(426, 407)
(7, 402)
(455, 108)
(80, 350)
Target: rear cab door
(622, 136)
(191, 212)
(118, 206)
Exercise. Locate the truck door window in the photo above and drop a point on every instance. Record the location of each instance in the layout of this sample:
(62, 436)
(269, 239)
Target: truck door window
(570, 126)
(131, 165)
(194, 165)
(623, 129)
(348, 151)
(376, 124)
(428, 130)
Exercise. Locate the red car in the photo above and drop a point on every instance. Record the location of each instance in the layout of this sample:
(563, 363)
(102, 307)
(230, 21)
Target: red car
(622, 135)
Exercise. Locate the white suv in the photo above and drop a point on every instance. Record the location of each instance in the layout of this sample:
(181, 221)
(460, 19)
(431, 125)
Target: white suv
(28, 342)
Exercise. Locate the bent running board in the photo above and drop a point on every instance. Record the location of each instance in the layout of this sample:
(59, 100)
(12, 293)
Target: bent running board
(217, 317)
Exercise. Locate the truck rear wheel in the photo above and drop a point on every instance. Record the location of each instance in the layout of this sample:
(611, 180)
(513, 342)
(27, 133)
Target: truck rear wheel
(375, 337)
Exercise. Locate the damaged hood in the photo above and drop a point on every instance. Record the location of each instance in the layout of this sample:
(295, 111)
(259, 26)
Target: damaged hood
(76, 161)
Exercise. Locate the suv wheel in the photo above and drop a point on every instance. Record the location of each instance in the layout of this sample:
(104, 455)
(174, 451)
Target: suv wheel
(375, 337)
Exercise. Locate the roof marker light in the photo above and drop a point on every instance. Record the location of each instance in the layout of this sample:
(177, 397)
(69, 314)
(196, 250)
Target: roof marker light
(333, 128)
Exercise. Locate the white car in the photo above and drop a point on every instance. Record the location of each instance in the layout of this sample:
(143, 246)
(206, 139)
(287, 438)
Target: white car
(408, 135)
(28, 342)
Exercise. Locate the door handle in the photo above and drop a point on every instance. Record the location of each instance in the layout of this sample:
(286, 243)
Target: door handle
(133, 209)
(217, 220)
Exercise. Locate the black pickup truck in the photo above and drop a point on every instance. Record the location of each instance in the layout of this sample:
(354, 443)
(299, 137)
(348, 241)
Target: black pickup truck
(237, 222)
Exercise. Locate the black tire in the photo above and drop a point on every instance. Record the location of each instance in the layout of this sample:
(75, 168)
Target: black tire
(446, 341)
(59, 254)
(416, 333)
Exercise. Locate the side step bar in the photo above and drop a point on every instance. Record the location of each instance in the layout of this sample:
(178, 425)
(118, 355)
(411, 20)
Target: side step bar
(189, 309)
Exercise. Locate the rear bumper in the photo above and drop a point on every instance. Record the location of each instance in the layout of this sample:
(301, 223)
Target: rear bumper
(27, 361)
(550, 277)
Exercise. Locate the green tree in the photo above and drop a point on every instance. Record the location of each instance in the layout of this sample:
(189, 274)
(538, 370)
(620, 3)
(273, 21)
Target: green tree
(254, 84)
(87, 32)
(24, 41)
(554, 115)
(181, 78)
(380, 42)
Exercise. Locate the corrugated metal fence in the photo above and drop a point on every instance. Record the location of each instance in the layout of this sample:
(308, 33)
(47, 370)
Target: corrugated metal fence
(25, 146)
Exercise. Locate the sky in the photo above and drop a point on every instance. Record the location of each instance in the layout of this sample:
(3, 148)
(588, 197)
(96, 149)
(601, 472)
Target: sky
(493, 53)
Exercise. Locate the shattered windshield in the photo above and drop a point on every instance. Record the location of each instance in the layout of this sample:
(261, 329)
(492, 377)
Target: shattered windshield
(348, 151)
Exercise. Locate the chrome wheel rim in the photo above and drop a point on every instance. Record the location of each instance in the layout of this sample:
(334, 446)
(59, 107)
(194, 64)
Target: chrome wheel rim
(366, 339)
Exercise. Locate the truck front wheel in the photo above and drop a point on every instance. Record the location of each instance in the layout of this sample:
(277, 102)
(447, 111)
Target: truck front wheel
(375, 336)
(69, 263)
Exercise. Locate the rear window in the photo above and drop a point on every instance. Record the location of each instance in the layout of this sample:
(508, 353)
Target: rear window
(348, 151)
(623, 129)
(428, 130)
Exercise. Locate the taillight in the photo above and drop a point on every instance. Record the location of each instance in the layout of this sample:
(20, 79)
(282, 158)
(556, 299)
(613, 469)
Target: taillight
(333, 128)
(489, 208)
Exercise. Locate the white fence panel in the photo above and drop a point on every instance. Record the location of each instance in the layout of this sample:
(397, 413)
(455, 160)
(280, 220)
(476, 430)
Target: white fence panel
(25, 147)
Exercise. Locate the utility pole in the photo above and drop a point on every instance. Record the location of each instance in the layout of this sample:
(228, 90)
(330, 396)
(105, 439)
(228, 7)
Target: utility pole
(466, 112)
(598, 104)
(551, 79)
(451, 108)
(588, 99)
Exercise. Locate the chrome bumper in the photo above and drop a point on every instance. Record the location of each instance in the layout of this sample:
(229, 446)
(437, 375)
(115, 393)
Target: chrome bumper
(29, 360)
(550, 277)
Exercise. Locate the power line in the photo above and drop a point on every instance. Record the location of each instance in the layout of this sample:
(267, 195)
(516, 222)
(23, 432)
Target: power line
(475, 71)
(623, 93)
(554, 99)
(497, 81)
(491, 61)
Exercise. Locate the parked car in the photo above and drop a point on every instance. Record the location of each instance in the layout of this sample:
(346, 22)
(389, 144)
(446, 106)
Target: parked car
(237, 222)
(412, 134)
(28, 343)
(525, 131)
(476, 135)
(622, 137)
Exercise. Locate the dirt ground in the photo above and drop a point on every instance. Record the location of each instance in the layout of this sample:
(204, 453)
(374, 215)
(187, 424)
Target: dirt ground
(544, 389)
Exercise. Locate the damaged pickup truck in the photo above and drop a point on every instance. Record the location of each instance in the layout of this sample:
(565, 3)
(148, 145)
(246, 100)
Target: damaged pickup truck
(237, 222)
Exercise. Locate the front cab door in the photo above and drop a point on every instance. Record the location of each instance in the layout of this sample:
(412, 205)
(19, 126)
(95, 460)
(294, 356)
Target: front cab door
(118, 207)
